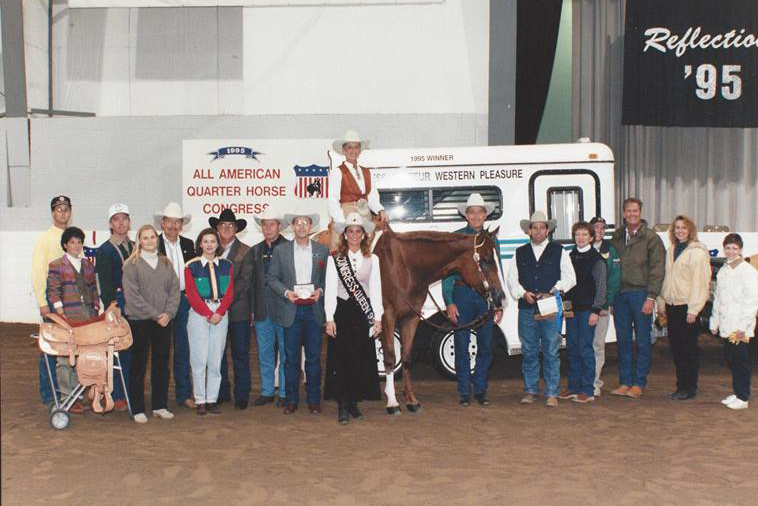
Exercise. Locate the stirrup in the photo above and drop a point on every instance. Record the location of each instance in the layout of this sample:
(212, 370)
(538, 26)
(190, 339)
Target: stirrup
(96, 406)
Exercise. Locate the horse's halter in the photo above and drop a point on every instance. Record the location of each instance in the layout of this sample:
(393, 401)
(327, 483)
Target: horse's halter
(478, 261)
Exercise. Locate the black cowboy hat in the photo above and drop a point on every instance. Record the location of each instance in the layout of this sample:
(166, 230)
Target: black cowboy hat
(227, 215)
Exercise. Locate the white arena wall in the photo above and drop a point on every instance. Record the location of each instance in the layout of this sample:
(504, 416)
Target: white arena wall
(137, 160)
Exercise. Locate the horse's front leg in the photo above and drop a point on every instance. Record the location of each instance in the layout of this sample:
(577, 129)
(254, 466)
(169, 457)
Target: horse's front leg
(388, 347)
(407, 334)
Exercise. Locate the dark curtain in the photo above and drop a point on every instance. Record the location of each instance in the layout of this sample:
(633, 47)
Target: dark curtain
(537, 36)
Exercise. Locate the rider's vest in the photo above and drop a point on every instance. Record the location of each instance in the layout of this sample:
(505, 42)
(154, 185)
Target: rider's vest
(350, 191)
(538, 275)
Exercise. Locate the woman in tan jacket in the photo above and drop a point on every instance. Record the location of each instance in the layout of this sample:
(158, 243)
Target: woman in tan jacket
(685, 291)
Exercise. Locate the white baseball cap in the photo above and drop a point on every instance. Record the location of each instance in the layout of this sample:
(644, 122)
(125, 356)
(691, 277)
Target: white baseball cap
(116, 209)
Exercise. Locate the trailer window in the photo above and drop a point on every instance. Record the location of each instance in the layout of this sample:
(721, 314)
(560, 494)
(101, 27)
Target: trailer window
(435, 204)
(406, 205)
(564, 205)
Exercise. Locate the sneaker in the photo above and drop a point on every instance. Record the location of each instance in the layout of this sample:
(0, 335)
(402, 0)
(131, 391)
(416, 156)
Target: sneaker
(482, 399)
(464, 401)
(621, 390)
(551, 402)
(163, 413)
(728, 400)
(567, 394)
(140, 418)
(528, 399)
(597, 392)
(583, 398)
(635, 392)
(737, 404)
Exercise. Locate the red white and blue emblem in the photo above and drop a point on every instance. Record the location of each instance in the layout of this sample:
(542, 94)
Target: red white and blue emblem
(312, 182)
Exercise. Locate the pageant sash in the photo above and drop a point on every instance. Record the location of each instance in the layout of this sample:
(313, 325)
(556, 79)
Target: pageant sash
(353, 287)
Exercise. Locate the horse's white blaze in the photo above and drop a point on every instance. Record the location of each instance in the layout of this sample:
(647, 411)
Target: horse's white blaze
(389, 390)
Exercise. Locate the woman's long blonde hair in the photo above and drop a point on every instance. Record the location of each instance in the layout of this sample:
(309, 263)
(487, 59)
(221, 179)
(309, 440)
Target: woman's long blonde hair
(138, 247)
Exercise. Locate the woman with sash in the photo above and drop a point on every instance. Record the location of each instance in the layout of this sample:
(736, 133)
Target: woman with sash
(353, 305)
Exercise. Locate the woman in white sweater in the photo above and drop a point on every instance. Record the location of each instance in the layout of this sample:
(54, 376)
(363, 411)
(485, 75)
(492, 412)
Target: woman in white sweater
(733, 317)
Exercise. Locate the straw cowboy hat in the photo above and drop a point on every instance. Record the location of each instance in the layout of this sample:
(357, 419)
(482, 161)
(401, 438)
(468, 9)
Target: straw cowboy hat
(476, 200)
(228, 216)
(302, 211)
(537, 217)
(269, 214)
(173, 210)
(349, 136)
(355, 219)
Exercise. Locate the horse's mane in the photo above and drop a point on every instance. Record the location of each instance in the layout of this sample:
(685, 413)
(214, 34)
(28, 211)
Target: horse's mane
(430, 236)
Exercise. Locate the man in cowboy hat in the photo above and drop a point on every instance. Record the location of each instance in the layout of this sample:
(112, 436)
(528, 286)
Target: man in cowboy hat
(46, 249)
(463, 306)
(228, 226)
(268, 333)
(109, 266)
(179, 250)
(297, 276)
(350, 188)
(540, 268)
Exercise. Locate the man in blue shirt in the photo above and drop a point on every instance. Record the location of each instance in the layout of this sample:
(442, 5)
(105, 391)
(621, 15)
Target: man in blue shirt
(463, 306)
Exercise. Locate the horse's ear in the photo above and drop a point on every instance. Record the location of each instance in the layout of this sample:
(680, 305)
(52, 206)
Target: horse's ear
(493, 233)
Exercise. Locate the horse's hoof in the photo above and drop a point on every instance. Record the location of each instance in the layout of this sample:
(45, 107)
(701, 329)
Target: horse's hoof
(413, 408)
(394, 410)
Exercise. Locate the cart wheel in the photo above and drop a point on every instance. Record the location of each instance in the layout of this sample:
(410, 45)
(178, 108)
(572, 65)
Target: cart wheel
(59, 419)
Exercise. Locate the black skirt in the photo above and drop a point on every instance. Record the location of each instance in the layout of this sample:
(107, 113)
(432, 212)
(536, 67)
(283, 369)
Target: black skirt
(351, 367)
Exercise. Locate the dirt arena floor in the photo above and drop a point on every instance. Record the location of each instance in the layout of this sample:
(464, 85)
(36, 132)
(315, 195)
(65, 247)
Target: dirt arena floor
(616, 451)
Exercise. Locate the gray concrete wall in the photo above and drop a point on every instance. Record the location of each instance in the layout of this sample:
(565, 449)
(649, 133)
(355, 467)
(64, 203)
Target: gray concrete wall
(137, 160)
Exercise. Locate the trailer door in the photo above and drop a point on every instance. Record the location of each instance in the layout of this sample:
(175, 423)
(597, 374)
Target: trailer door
(567, 196)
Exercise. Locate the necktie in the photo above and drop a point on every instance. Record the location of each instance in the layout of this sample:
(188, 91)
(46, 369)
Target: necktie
(357, 172)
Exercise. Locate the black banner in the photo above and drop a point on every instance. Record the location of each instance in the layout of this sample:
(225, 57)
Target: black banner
(691, 63)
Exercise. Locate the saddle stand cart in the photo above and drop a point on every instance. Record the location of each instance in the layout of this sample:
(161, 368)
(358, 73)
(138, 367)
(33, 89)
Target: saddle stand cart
(92, 348)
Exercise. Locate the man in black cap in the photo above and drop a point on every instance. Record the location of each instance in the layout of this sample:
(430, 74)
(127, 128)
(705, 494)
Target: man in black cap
(228, 226)
(46, 249)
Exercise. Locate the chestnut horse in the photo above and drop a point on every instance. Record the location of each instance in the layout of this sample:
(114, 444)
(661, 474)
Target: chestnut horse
(410, 262)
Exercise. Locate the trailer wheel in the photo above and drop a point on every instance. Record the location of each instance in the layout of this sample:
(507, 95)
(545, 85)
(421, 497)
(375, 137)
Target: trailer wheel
(443, 353)
(59, 419)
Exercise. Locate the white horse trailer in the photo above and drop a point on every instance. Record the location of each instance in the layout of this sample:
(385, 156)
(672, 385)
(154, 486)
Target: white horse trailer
(422, 188)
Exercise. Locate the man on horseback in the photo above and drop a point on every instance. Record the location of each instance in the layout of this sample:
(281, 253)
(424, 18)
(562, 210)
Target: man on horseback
(350, 188)
(540, 268)
(463, 306)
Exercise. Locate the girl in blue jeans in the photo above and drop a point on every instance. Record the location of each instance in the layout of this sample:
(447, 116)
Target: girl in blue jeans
(587, 298)
(209, 281)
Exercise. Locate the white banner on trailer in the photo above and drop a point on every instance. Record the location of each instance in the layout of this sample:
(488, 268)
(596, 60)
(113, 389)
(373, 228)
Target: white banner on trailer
(238, 3)
(247, 176)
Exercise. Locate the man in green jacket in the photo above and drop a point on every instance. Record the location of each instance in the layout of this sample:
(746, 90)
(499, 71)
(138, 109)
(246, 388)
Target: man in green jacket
(613, 282)
(643, 261)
